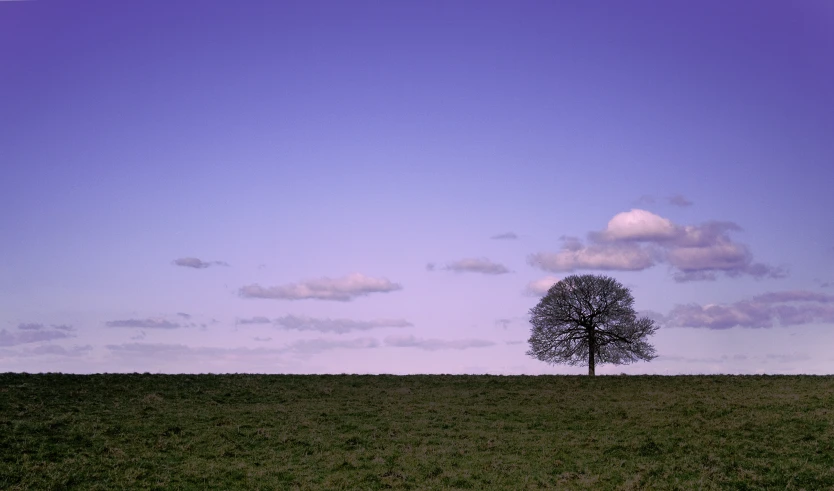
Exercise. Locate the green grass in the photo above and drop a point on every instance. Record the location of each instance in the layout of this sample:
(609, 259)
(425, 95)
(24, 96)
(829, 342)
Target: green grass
(415, 432)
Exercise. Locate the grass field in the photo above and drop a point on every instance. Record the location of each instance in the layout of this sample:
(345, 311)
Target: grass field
(415, 432)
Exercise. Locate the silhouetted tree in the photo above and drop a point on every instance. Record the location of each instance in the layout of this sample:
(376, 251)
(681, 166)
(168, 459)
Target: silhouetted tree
(589, 319)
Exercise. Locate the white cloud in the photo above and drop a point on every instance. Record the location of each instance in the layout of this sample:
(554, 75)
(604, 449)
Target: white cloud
(638, 225)
(435, 344)
(339, 326)
(339, 289)
(539, 287)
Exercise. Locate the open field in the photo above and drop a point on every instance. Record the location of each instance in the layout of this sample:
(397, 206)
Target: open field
(415, 432)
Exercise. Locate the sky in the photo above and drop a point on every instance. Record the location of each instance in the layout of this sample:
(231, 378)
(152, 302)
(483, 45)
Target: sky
(389, 187)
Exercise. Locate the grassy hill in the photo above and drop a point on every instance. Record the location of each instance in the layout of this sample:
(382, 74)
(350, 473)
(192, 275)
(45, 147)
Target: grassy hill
(415, 432)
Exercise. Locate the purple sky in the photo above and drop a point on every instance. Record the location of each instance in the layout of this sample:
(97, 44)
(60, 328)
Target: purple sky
(388, 187)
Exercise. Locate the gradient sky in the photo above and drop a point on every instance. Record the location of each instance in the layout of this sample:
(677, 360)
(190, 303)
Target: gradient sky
(389, 187)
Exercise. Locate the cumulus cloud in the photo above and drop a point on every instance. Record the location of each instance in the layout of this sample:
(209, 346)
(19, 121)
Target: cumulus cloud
(254, 320)
(339, 289)
(638, 239)
(184, 315)
(476, 265)
(339, 326)
(539, 287)
(151, 323)
(787, 308)
(505, 236)
(435, 344)
(638, 225)
(193, 262)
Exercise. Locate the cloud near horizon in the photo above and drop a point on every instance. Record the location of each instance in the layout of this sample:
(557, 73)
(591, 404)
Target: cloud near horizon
(45, 350)
(505, 236)
(339, 326)
(638, 239)
(33, 333)
(435, 344)
(787, 308)
(193, 262)
(342, 289)
(151, 323)
(181, 351)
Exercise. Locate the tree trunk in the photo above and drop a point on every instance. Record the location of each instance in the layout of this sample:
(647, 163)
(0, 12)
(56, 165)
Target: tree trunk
(592, 348)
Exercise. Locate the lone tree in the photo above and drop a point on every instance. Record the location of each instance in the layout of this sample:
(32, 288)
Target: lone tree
(589, 319)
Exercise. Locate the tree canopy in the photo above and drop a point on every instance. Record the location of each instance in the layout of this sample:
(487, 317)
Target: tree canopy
(589, 320)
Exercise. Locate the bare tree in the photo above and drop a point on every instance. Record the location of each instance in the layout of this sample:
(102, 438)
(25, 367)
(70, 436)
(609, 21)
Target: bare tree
(589, 319)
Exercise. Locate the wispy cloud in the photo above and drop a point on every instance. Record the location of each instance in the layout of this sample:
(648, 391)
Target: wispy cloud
(178, 351)
(539, 287)
(255, 320)
(608, 257)
(678, 200)
(45, 350)
(25, 335)
(193, 262)
(480, 265)
(787, 308)
(339, 289)
(638, 239)
(31, 326)
(313, 346)
(505, 236)
(435, 344)
(339, 326)
(151, 323)
(674, 200)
